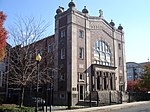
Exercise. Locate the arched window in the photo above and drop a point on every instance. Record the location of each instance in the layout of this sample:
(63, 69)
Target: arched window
(102, 53)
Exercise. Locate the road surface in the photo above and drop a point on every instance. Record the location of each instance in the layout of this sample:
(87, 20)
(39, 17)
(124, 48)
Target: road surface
(138, 108)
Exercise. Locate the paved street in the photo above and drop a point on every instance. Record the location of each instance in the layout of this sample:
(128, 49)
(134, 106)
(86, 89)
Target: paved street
(125, 107)
(138, 108)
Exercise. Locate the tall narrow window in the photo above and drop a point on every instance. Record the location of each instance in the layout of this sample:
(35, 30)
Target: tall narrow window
(119, 61)
(81, 33)
(119, 46)
(62, 52)
(62, 34)
(81, 77)
(50, 48)
(105, 83)
(98, 82)
(81, 52)
(111, 83)
(62, 76)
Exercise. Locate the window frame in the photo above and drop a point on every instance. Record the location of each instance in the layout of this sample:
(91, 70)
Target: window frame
(81, 52)
(81, 92)
(60, 96)
(81, 76)
(102, 53)
(62, 76)
(62, 34)
(120, 61)
(50, 50)
(81, 33)
(119, 46)
(62, 53)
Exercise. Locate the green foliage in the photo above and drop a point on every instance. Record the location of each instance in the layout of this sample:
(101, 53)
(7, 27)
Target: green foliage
(145, 78)
(16, 109)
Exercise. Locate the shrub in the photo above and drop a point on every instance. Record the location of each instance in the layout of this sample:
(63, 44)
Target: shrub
(1, 101)
(16, 109)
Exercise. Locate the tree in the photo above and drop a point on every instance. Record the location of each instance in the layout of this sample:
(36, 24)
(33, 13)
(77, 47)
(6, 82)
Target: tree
(145, 79)
(3, 35)
(132, 85)
(22, 65)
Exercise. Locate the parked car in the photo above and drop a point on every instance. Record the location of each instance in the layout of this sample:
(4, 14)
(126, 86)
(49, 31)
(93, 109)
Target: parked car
(40, 101)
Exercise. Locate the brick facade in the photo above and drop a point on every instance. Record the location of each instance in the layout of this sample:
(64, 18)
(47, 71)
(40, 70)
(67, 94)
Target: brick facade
(81, 32)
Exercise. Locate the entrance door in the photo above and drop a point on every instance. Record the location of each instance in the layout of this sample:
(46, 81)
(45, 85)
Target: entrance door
(81, 92)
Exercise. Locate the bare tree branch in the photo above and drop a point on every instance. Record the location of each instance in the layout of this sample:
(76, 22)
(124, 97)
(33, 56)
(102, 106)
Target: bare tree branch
(22, 66)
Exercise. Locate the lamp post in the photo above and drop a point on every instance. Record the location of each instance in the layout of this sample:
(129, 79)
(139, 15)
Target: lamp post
(50, 96)
(38, 59)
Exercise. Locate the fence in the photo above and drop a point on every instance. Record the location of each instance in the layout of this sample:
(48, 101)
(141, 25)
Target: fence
(109, 97)
(138, 96)
(99, 98)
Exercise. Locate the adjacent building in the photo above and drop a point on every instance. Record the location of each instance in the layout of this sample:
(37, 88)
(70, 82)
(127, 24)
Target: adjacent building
(3, 74)
(134, 70)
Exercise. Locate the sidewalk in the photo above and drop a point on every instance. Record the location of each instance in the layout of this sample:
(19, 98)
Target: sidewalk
(103, 108)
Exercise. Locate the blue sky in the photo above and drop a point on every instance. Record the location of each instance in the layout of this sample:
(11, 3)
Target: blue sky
(133, 15)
